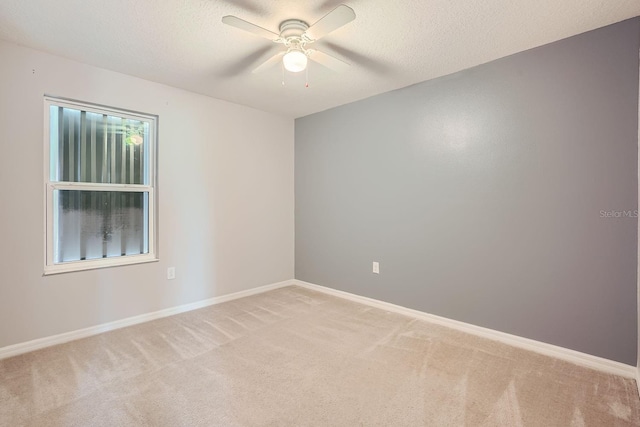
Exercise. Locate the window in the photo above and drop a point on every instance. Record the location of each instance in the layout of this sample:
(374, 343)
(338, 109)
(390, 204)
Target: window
(100, 180)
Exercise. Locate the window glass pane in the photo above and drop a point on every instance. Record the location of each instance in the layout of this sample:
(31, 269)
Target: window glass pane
(97, 148)
(105, 148)
(99, 224)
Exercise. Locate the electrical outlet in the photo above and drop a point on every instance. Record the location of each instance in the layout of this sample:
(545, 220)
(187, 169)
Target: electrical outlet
(171, 273)
(376, 267)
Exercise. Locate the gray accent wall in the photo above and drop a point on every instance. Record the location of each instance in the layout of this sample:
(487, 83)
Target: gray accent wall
(503, 196)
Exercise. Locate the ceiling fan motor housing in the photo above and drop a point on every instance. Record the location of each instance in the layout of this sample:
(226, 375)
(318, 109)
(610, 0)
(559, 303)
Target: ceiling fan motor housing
(292, 28)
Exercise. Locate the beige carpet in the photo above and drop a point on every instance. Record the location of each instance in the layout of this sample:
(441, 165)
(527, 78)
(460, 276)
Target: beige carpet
(294, 357)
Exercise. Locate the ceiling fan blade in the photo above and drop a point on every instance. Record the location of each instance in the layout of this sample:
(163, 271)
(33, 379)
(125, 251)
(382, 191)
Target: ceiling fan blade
(328, 61)
(333, 20)
(234, 21)
(269, 63)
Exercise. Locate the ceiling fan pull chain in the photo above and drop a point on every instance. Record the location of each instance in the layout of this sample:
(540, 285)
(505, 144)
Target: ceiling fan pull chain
(282, 66)
(307, 77)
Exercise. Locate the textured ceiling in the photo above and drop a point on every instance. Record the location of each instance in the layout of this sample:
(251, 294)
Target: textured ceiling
(391, 44)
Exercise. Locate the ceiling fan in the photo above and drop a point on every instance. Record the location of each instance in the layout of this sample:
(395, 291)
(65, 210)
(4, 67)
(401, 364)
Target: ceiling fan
(296, 35)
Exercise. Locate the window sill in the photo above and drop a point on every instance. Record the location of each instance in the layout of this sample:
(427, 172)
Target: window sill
(69, 267)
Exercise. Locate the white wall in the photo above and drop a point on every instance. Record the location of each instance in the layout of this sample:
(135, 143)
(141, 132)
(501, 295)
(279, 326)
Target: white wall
(225, 200)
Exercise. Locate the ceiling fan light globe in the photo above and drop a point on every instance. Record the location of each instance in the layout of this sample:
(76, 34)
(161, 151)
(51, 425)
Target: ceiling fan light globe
(294, 61)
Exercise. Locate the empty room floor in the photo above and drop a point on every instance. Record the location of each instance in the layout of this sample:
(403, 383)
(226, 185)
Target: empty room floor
(297, 357)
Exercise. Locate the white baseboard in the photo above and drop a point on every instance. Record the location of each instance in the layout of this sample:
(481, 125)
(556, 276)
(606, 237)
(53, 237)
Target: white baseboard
(15, 349)
(579, 358)
(562, 353)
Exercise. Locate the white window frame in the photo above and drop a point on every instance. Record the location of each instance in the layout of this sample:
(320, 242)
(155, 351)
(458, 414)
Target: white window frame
(50, 186)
